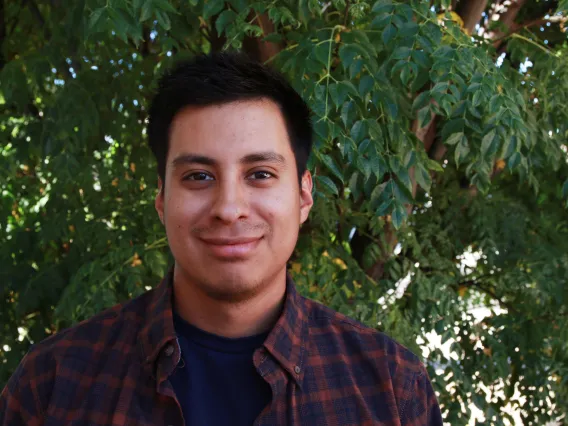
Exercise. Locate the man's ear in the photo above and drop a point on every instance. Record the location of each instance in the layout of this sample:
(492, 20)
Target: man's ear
(159, 201)
(306, 200)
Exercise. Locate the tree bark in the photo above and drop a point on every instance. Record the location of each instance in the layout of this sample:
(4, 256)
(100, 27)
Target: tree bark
(470, 11)
(258, 49)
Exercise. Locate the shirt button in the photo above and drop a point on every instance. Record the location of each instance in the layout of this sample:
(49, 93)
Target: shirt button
(169, 350)
(297, 369)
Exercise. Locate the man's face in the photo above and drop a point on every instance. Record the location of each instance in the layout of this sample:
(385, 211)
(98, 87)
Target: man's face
(231, 203)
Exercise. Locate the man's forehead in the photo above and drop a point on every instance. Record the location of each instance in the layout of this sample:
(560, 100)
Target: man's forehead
(240, 134)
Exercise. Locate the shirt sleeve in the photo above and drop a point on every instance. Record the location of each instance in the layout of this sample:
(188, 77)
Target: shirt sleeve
(19, 400)
(421, 408)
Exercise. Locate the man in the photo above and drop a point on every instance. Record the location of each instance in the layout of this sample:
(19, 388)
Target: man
(224, 339)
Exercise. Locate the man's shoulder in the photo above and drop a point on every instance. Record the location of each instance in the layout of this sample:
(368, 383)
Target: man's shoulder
(328, 326)
(117, 325)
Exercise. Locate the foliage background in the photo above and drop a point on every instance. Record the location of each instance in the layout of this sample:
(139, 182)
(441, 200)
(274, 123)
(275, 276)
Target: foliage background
(440, 166)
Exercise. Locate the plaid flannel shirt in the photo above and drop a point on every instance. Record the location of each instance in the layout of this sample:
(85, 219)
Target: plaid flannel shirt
(323, 367)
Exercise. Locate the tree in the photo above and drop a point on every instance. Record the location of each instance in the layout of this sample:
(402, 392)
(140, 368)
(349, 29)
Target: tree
(440, 164)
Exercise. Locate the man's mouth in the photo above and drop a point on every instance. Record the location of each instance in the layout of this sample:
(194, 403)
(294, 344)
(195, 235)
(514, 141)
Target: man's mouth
(231, 247)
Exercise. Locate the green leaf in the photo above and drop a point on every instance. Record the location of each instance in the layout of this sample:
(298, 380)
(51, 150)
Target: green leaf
(404, 178)
(146, 11)
(347, 87)
(384, 207)
(398, 215)
(355, 68)
(358, 131)
(364, 146)
(406, 74)
(453, 126)
(420, 101)
(440, 87)
(381, 21)
(378, 192)
(163, 20)
(434, 166)
(121, 22)
(332, 166)
(487, 141)
(241, 5)
(389, 33)
(477, 98)
(156, 262)
(212, 8)
(514, 160)
(95, 17)
(225, 18)
(462, 150)
(321, 128)
(420, 81)
(473, 87)
(565, 189)
(347, 113)
(347, 53)
(423, 177)
(421, 58)
(408, 29)
(365, 85)
(353, 185)
(164, 5)
(364, 166)
(454, 138)
(327, 184)
(378, 166)
(401, 52)
(392, 108)
(322, 52)
(340, 91)
(383, 6)
(424, 116)
(375, 131)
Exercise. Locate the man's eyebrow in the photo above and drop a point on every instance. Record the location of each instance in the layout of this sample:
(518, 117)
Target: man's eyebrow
(269, 156)
(193, 159)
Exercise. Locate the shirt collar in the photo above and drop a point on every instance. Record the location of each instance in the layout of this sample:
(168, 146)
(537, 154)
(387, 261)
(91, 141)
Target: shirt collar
(286, 342)
(159, 322)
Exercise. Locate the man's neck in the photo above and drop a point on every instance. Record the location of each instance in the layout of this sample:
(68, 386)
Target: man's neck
(255, 315)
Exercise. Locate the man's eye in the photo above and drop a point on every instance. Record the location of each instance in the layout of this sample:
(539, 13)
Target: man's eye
(198, 176)
(261, 175)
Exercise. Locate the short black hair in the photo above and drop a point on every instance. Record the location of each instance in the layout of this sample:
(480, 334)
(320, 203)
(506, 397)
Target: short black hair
(220, 78)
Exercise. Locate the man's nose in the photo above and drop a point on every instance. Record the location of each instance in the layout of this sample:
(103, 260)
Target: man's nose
(230, 202)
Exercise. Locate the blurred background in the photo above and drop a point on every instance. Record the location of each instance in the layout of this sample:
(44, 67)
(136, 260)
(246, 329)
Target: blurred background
(440, 165)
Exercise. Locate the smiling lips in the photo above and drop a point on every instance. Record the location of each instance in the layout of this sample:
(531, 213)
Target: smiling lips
(231, 247)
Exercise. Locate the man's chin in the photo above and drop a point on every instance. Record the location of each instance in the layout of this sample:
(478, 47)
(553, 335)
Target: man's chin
(232, 288)
(232, 282)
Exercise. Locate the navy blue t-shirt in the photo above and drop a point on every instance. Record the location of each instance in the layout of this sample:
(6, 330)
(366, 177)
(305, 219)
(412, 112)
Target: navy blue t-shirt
(216, 382)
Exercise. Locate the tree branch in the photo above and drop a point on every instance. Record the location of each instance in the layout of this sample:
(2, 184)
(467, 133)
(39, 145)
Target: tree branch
(2, 32)
(39, 17)
(518, 28)
(346, 17)
(488, 291)
(507, 19)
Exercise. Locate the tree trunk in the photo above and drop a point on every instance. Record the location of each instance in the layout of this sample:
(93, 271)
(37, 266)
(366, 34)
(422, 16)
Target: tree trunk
(258, 49)
(470, 11)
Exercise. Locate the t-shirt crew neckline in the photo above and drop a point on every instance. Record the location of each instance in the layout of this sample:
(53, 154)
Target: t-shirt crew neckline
(215, 342)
